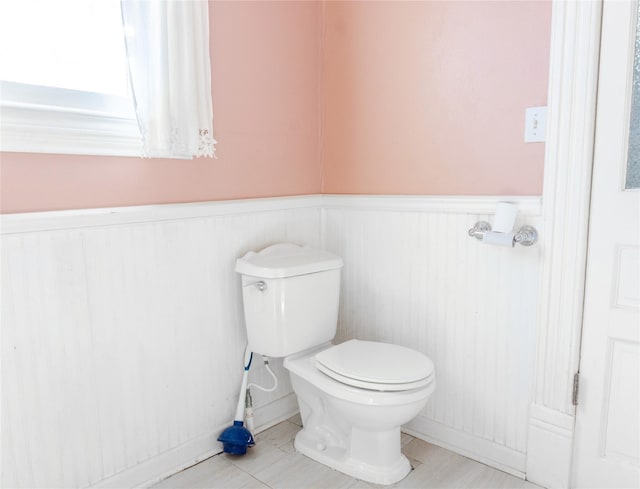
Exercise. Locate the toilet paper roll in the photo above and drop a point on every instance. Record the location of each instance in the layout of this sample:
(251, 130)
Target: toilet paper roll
(505, 217)
(499, 239)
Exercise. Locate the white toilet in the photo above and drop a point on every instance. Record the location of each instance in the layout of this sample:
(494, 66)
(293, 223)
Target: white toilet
(353, 396)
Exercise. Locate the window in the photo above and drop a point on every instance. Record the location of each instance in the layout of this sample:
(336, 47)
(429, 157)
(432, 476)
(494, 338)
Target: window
(64, 79)
(633, 156)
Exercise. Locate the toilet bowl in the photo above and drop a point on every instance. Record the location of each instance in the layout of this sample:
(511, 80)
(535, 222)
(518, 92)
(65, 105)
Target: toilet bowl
(356, 429)
(354, 396)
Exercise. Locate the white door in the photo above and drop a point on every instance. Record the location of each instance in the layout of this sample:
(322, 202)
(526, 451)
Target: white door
(607, 443)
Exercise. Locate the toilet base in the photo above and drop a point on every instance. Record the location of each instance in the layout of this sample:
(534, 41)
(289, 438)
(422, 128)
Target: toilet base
(353, 430)
(337, 458)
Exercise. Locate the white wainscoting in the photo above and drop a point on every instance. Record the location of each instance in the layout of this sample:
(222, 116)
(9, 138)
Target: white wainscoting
(122, 329)
(122, 337)
(413, 277)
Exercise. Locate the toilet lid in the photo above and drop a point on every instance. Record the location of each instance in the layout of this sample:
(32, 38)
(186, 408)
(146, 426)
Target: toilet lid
(374, 365)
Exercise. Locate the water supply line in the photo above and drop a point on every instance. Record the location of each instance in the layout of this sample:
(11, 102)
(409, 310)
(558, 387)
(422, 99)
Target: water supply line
(273, 376)
(248, 405)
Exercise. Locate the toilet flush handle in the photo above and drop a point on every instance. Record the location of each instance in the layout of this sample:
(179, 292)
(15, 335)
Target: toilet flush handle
(261, 285)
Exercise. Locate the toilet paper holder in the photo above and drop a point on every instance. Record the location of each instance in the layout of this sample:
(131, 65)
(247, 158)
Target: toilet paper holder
(526, 235)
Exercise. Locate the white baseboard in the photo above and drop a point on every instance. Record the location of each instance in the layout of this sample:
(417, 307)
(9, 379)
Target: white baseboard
(471, 446)
(166, 464)
(549, 447)
(275, 412)
(155, 469)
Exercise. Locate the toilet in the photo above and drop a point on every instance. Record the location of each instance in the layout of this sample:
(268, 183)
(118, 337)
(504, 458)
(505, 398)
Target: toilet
(354, 396)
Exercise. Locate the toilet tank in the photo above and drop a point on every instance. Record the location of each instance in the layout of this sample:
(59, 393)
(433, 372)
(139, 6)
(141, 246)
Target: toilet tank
(290, 295)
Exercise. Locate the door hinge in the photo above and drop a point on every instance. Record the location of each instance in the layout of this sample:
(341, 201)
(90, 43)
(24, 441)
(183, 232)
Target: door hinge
(576, 386)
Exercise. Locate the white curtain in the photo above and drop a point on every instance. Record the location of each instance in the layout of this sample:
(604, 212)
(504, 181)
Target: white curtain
(168, 51)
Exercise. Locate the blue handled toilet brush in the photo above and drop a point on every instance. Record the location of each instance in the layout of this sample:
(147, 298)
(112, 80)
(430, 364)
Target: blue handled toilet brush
(235, 439)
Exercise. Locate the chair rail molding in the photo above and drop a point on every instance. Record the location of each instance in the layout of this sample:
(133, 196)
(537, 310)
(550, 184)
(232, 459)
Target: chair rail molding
(575, 44)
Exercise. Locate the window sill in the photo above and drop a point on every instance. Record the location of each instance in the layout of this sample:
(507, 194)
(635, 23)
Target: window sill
(59, 121)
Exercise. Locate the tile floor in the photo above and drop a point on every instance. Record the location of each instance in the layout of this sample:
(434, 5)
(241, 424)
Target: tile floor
(273, 463)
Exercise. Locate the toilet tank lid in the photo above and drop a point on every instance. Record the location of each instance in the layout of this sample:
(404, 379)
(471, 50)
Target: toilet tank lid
(286, 260)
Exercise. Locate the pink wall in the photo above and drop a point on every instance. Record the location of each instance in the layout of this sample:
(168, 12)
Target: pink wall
(415, 98)
(266, 92)
(429, 97)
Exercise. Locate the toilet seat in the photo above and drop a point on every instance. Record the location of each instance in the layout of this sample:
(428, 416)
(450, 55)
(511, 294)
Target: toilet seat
(304, 366)
(374, 386)
(375, 366)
